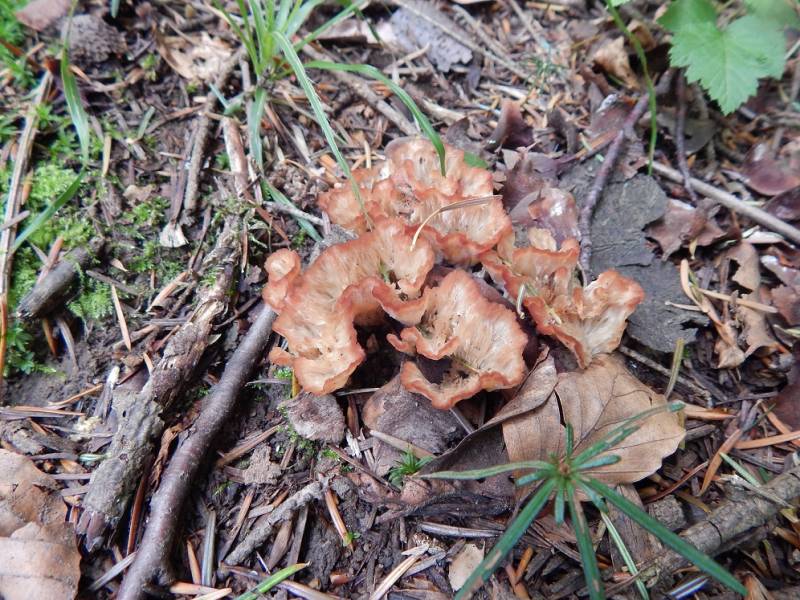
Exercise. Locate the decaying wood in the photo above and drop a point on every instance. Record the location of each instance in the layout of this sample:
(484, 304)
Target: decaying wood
(165, 506)
(141, 423)
(261, 531)
(731, 523)
(52, 290)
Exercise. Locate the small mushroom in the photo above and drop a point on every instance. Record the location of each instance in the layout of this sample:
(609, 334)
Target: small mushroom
(480, 342)
(349, 284)
(410, 185)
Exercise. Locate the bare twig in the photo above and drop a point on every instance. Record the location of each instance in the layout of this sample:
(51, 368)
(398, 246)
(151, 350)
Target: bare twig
(200, 136)
(732, 203)
(150, 562)
(610, 159)
(680, 140)
(13, 203)
(48, 293)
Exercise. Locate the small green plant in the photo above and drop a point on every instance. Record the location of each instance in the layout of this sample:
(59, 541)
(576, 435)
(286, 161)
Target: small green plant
(562, 478)
(350, 537)
(267, 28)
(304, 445)
(728, 52)
(408, 465)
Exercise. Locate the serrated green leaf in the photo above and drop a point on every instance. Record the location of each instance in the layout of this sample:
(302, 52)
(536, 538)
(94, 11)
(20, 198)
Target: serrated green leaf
(729, 63)
(781, 12)
(685, 13)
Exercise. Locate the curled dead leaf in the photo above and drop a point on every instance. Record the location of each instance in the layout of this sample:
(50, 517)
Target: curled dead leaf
(612, 57)
(595, 401)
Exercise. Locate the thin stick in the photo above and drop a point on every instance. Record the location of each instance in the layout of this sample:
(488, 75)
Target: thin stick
(13, 202)
(680, 139)
(610, 159)
(123, 324)
(732, 203)
(165, 506)
(456, 205)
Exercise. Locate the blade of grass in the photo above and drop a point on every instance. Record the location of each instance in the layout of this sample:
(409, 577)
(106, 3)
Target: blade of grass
(402, 95)
(705, 563)
(255, 110)
(490, 471)
(80, 120)
(591, 571)
(279, 196)
(245, 35)
(48, 212)
(114, 8)
(508, 540)
(319, 113)
(271, 581)
(625, 554)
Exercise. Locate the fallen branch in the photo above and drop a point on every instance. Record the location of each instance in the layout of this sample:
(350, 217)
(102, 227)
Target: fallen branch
(49, 293)
(731, 523)
(732, 203)
(141, 423)
(165, 506)
(609, 160)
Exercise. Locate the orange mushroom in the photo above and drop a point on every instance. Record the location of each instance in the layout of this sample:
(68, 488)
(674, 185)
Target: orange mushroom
(481, 340)
(349, 284)
(410, 185)
(588, 321)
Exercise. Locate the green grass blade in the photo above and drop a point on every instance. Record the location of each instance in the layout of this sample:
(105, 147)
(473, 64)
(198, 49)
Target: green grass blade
(702, 561)
(600, 461)
(316, 106)
(373, 73)
(279, 196)
(44, 216)
(300, 12)
(244, 35)
(591, 571)
(490, 471)
(625, 554)
(114, 8)
(507, 541)
(80, 120)
(255, 110)
(271, 581)
(558, 505)
(282, 16)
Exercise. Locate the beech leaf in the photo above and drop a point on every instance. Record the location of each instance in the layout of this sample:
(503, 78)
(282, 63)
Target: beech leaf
(595, 401)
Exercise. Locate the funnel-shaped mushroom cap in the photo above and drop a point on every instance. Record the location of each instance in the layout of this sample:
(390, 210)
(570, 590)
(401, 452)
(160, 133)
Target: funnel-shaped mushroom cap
(410, 185)
(349, 283)
(481, 340)
(588, 321)
(540, 269)
(283, 266)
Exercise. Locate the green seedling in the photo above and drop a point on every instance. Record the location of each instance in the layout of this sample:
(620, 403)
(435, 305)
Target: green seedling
(408, 465)
(560, 479)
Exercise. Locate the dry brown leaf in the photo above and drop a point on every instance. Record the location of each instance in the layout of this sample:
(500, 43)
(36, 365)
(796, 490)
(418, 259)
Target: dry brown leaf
(746, 256)
(683, 223)
(464, 563)
(613, 58)
(201, 60)
(595, 401)
(755, 330)
(40, 14)
(40, 556)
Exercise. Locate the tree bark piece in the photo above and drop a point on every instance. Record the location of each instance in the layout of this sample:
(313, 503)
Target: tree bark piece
(141, 423)
(48, 294)
(731, 523)
(165, 507)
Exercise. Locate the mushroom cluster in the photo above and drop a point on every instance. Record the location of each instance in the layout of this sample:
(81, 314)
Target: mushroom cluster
(386, 272)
